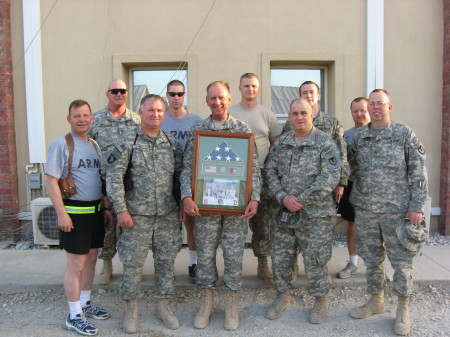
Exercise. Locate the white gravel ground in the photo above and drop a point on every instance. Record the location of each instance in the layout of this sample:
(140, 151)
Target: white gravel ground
(41, 311)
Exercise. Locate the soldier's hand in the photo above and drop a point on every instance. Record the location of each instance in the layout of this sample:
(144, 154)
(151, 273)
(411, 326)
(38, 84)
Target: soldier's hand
(251, 209)
(65, 222)
(338, 193)
(415, 217)
(292, 203)
(124, 220)
(107, 218)
(190, 207)
(182, 215)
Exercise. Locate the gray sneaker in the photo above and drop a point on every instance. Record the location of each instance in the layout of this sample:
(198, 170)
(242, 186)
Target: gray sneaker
(81, 326)
(348, 271)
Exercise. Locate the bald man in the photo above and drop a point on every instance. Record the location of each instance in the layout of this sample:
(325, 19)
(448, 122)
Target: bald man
(109, 123)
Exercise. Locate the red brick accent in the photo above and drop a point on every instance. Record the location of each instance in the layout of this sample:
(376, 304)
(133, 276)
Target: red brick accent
(9, 194)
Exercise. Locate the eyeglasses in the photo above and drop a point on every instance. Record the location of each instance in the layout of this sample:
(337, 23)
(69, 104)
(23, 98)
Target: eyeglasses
(179, 94)
(378, 104)
(116, 91)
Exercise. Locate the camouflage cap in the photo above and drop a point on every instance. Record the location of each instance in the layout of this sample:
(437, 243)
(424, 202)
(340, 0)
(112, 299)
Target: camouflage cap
(284, 217)
(412, 237)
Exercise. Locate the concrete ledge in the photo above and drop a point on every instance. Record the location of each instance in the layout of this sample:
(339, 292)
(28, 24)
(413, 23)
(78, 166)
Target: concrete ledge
(46, 267)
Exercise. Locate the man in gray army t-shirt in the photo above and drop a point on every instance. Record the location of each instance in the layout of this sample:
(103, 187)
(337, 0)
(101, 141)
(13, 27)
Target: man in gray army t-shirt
(178, 121)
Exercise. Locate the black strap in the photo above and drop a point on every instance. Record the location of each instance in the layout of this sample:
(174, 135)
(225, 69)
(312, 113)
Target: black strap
(131, 154)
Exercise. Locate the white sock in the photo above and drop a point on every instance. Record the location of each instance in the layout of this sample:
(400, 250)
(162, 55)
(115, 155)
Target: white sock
(354, 260)
(192, 257)
(85, 296)
(75, 309)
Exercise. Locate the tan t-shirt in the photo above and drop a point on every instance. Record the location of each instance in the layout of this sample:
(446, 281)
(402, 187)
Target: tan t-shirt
(262, 122)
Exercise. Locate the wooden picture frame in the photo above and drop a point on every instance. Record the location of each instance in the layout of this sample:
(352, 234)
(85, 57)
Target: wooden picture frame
(222, 171)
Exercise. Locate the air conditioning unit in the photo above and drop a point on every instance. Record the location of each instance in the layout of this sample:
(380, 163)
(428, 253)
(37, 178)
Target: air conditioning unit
(45, 222)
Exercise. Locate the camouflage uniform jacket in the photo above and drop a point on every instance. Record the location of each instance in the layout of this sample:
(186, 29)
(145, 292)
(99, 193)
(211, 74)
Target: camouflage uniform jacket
(106, 129)
(389, 170)
(331, 126)
(231, 124)
(155, 164)
(309, 171)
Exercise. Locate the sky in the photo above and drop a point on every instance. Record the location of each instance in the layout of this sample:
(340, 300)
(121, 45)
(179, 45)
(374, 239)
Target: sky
(294, 77)
(156, 80)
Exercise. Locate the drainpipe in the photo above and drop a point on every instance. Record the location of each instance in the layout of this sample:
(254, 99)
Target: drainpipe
(34, 92)
(375, 45)
(33, 81)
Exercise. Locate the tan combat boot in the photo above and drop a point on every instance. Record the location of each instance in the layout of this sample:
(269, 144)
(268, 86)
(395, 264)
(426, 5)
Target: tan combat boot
(164, 313)
(294, 276)
(319, 313)
(282, 302)
(201, 320)
(375, 305)
(264, 272)
(231, 311)
(402, 325)
(105, 275)
(130, 319)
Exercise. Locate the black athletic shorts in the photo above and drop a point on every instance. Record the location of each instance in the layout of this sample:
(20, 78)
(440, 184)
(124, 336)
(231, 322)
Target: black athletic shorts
(88, 232)
(345, 208)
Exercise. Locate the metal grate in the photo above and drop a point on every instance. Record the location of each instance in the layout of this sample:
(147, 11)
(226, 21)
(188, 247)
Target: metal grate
(48, 223)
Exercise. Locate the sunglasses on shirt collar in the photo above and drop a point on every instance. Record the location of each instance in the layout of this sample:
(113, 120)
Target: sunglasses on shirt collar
(117, 91)
(179, 94)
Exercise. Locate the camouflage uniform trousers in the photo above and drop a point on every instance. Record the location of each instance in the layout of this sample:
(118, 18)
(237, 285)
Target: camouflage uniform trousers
(230, 231)
(259, 225)
(163, 234)
(314, 239)
(109, 249)
(375, 235)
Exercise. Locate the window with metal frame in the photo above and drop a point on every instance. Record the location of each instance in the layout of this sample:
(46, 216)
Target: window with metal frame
(151, 80)
(285, 81)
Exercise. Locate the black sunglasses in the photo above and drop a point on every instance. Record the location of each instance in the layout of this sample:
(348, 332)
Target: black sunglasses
(116, 91)
(179, 94)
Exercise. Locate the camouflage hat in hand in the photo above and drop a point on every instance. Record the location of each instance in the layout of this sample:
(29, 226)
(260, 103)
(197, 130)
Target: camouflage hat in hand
(412, 237)
(284, 217)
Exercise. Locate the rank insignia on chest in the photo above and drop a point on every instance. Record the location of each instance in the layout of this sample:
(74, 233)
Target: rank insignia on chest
(111, 158)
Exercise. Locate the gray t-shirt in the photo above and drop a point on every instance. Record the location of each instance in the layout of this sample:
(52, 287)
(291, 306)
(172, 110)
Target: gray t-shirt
(85, 167)
(180, 128)
(348, 134)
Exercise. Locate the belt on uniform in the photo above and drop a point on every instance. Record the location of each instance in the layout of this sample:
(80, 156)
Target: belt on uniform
(83, 209)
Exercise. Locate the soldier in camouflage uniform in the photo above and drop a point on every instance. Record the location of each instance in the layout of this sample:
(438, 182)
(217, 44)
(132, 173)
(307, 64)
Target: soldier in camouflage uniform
(324, 122)
(212, 229)
(301, 171)
(388, 162)
(331, 126)
(109, 124)
(147, 211)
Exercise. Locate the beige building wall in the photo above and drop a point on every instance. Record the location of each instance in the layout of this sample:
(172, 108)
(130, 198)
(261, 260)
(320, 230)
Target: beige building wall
(87, 43)
(413, 74)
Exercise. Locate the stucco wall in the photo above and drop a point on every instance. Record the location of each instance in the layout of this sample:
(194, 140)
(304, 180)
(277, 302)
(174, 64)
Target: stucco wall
(87, 43)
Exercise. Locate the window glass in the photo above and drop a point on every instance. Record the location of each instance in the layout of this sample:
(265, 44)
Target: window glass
(284, 84)
(151, 81)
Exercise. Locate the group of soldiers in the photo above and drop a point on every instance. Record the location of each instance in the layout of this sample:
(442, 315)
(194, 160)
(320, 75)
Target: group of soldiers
(299, 174)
